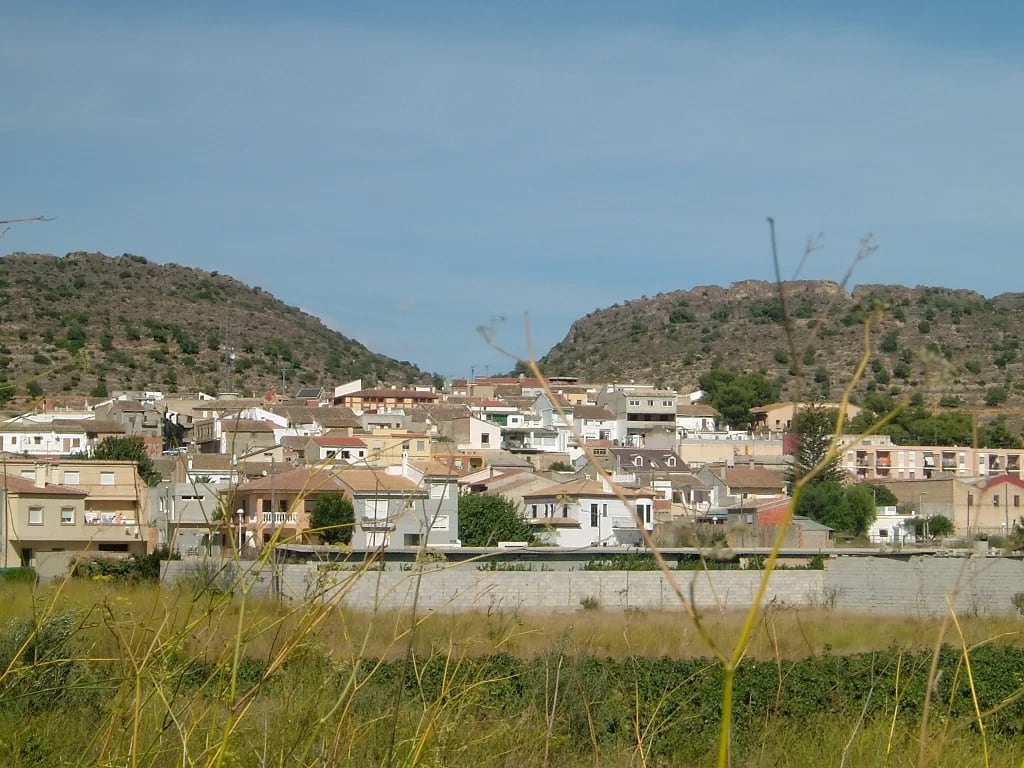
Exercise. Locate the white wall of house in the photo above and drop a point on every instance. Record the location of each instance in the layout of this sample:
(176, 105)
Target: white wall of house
(482, 435)
(44, 441)
(601, 521)
(891, 528)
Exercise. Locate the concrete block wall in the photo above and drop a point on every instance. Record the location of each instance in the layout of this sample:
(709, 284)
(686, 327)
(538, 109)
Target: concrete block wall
(463, 588)
(918, 587)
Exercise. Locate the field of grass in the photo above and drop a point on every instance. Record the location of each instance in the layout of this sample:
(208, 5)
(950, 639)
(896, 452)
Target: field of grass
(102, 674)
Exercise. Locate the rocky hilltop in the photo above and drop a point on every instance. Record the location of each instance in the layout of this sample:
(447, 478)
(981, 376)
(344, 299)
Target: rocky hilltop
(956, 346)
(88, 324)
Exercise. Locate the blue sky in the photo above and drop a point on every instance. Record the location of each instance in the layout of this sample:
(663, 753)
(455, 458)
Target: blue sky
(411, 171)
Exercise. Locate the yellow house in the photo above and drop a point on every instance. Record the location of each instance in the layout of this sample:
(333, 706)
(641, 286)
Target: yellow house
(48, 525)
(387, 447)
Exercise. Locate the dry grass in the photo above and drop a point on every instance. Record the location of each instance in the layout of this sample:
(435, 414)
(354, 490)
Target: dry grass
(212, 626)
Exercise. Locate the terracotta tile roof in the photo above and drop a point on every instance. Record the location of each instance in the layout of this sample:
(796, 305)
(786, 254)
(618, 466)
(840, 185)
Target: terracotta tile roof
(61, 426)
(339, 441)
(207, 460)
(303, 480)
(651, 458)
(104, 426)
(412, 394)
(748, 477)
(431, 468)
(584, 487)
(247, 425)
(363, 481)
(435, 412)
(593, 413)
(21, 485)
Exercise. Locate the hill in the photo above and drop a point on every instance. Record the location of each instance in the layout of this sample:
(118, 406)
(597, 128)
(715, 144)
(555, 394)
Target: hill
(955, 346)
(89, 324)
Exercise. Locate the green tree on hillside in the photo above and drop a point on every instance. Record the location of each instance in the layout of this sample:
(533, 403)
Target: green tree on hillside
(733, 394)
(484, 520)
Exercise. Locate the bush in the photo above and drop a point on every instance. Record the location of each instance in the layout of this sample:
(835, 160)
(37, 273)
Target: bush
(995, 396)
(128, 570)
(18, 576)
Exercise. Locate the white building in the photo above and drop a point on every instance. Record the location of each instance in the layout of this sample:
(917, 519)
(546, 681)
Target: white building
(590, 513)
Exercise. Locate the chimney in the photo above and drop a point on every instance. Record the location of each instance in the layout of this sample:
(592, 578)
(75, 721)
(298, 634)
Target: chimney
(40, 475)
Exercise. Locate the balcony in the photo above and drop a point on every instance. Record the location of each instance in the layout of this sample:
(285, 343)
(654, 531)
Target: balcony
(279, 518)
(382, 523)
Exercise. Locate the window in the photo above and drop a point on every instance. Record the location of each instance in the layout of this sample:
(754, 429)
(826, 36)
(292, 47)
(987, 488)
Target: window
(670, 461)
(1016, 500)
(76, 442)
(593, 515)
(604, 510)
(638, 461)
(995, 500)
(533, 511)
(28, 474)
(71, 478)
(883, 533)
(634, 402)
(35, 515)
(411, 540)
(421, 445)
(485, 439)
(437, 490)
(650, 403)
(37, 440)
(106, 478)
(67, 515)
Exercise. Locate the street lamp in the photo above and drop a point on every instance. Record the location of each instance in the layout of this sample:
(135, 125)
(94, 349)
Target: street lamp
(241, 522)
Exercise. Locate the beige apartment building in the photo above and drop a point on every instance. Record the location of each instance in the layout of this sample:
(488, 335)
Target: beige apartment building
(385, 447)
(54, 513)
(877, 458)
(977, 506)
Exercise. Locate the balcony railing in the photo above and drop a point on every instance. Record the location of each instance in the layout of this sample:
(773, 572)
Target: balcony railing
(108, 518)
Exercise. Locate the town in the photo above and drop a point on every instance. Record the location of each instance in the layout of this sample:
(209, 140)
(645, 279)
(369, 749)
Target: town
(610, 465)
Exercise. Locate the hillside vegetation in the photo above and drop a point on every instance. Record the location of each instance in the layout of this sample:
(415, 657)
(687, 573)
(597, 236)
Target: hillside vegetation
(957, 347)
(89, 324)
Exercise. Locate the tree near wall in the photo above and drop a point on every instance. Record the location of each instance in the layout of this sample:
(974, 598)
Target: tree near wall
(850, 510)
(333, 518)
(485, 519)
(126, 449)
